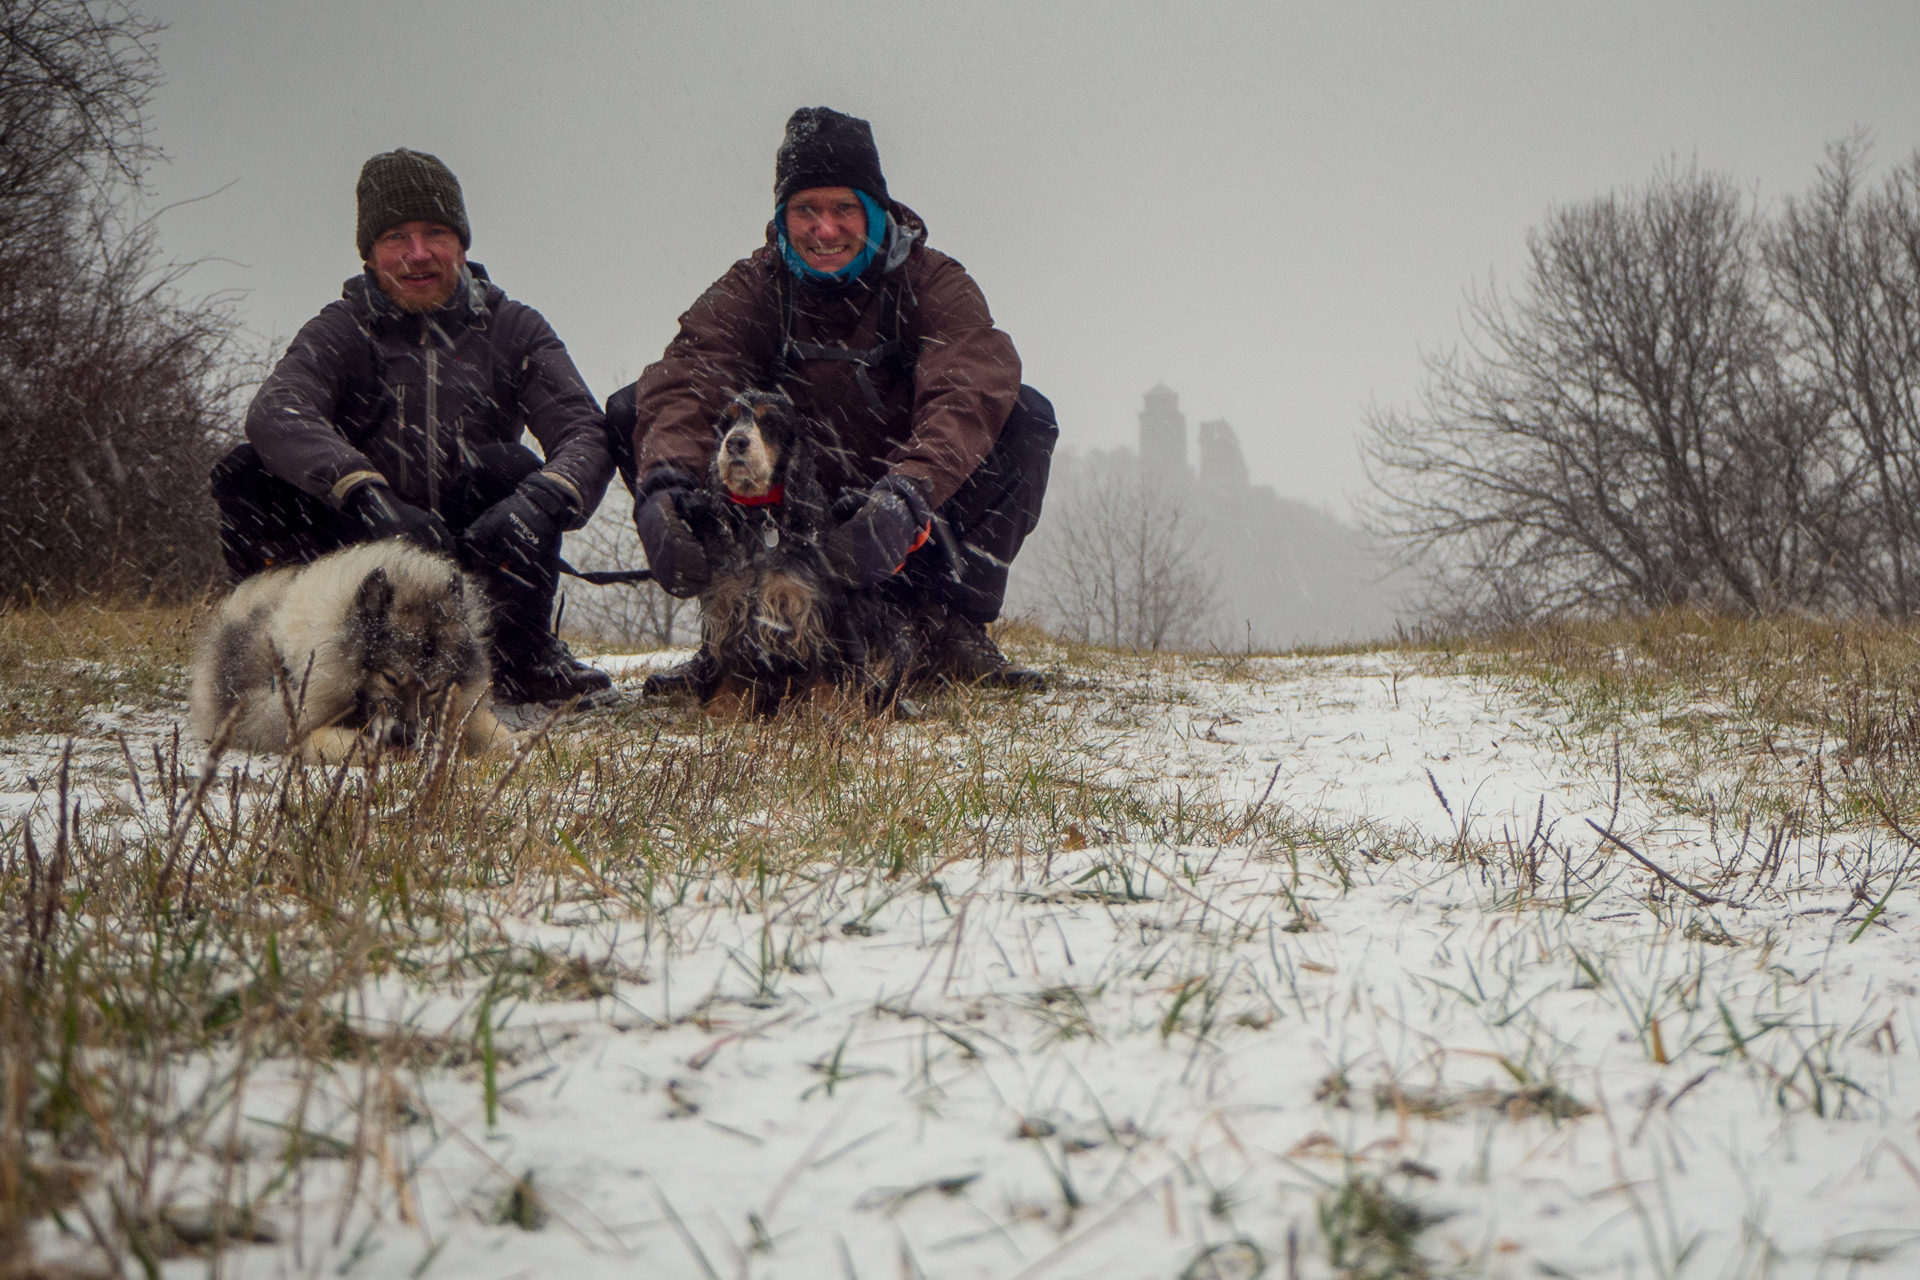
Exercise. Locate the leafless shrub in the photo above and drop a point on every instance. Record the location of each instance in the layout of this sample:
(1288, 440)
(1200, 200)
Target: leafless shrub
(113, 389)
(1118, 565)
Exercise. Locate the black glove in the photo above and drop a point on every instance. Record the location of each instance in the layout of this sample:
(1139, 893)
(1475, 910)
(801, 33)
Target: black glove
(876, 540)
(674, 553)
(519, 534)
(385, 516)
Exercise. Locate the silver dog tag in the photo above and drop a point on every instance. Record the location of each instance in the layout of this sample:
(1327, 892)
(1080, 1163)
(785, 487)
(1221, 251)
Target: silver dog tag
(770, 536)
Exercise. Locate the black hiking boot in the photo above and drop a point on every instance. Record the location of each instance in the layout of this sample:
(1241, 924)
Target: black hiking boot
(549, 673)
(689, 677)
(959, 651)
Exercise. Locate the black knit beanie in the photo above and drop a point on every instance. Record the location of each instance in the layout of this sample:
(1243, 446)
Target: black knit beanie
(826, 149)
(405, 186)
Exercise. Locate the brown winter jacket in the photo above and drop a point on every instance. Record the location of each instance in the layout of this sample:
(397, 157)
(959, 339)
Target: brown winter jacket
(367, 390)
(935, 425)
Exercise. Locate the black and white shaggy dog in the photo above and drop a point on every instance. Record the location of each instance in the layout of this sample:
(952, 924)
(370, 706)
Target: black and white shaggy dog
(776, 622)
(365, 649)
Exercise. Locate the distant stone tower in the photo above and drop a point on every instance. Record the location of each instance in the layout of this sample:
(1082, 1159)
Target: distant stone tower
(1221, 462)
(1163, 436)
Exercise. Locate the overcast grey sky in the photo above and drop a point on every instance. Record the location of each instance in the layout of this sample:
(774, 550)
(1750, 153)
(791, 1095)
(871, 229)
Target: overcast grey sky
(1272, 208)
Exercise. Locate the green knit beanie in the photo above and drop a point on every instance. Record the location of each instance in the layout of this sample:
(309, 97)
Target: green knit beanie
(404, 186)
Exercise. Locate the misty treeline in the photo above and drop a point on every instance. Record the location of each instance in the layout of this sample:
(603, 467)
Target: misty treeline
(114, 392)
(1689, 400)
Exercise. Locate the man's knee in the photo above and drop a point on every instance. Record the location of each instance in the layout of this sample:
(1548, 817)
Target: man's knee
(1002, 498)
(1035, 431)
(1034, 415)
(266, 522)
(237, 476)
(992, 514)
(623, 419)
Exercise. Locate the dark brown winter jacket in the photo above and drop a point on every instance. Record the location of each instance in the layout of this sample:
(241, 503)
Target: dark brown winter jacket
(942, 406)
(367, 390)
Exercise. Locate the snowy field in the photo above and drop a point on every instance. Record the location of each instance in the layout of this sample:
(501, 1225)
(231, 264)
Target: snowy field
(1506, 1034)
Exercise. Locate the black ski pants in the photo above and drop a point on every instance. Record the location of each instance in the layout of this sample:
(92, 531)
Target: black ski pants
(989, 516)
(266, 522)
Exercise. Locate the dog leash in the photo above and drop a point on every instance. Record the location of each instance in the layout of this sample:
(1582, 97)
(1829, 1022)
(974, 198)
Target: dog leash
(627, 577)
(607, 578)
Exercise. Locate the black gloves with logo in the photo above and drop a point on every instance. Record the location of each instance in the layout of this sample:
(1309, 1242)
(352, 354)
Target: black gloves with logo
(520, 534)
(674, 553)
(385, 516)
(877, 538)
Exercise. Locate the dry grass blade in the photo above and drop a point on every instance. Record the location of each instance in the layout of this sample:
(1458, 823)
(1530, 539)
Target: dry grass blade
(1705, 899)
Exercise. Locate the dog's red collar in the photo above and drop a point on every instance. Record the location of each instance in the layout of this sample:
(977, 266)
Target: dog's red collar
(771, 498)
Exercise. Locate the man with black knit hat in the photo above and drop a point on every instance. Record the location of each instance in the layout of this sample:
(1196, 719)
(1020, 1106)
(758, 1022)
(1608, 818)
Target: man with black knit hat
(397, 412)
(888, 346)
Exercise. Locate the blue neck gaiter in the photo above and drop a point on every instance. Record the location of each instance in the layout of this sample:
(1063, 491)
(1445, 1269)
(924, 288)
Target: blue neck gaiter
(876, 235)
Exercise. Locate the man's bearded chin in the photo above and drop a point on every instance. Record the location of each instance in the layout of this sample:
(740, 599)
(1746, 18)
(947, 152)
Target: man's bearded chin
(415, 302)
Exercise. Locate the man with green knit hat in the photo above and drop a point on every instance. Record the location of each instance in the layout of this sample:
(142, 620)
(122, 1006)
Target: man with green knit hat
(397, 412)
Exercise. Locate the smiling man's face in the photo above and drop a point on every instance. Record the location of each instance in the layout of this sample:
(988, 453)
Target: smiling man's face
(417, 264)
(828, 226)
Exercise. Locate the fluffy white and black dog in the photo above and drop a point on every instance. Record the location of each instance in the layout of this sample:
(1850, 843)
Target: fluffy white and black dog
(366, 649)
(776, 621)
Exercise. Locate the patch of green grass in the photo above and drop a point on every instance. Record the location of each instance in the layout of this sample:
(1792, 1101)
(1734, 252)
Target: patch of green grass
(1372, 1232)
(519, 1206)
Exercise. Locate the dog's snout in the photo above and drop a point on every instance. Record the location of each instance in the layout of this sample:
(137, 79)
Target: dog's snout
(736, 443)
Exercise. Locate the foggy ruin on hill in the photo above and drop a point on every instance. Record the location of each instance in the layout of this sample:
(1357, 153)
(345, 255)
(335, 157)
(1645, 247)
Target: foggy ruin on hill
(1278, 571)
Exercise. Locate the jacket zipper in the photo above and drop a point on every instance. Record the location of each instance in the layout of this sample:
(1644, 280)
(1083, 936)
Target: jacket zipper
(432, 423)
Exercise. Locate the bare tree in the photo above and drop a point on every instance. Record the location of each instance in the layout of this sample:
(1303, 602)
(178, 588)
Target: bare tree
(1118, 565)
(1624, 431)
(75, 79)
(641, 614)
(115, 394)
(1845, 266)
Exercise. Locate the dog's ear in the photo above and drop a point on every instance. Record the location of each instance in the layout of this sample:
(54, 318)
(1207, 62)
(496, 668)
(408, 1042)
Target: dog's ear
(374, 600)
(806, 502)
(778, 420)
(797, 464)
(454, 602)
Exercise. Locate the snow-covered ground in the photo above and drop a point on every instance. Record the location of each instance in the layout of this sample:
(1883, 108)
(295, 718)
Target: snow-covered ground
(1124, 1058)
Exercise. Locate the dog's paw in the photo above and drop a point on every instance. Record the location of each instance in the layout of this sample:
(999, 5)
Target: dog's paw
(334, 745)
(486, 735)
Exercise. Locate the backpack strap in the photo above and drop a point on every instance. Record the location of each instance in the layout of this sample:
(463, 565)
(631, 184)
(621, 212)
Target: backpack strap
(889, 348)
